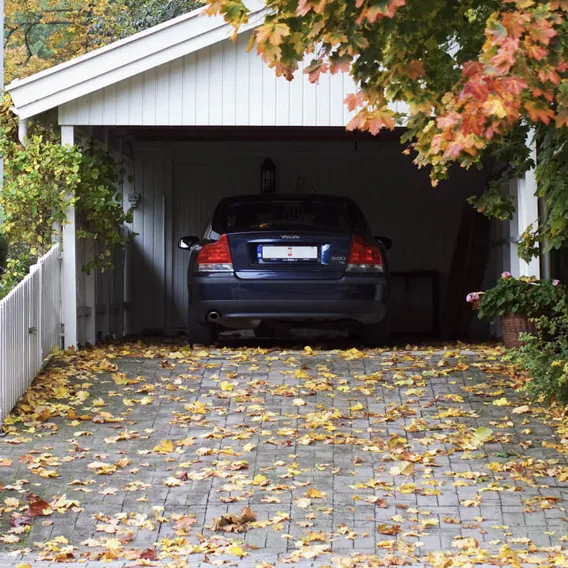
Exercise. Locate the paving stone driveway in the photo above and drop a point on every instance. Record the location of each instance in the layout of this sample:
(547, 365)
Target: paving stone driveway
(345, 458)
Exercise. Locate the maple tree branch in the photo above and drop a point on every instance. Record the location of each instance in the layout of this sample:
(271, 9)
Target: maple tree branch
(10, 32)
(28, 48)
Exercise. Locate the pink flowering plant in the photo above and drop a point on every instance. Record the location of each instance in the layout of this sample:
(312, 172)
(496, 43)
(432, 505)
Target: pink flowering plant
(524, 296)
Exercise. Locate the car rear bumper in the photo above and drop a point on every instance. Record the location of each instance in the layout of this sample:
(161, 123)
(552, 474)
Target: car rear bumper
(358, 298)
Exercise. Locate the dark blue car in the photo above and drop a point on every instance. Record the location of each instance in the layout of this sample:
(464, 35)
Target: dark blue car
(265, 260)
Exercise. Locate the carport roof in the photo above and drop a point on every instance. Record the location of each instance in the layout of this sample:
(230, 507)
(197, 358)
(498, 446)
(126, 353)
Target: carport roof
(123, 59)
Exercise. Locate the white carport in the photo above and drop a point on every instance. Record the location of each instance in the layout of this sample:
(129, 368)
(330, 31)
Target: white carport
(193, 115)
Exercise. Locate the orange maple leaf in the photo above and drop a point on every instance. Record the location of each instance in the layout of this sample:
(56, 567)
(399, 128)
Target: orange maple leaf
(542, 30)
(414, 69)
(448, 121)
(549, 74)
(454, 149)
(303, 8)
(513, 85)
(357, 122)
(273, 34)
(477, 88)
(515, 23)
(380, 119)
(374, 13)
(538, 111)
(534, 51)
(354, 100)
(342, 64)
(503, 61)
(562, 118)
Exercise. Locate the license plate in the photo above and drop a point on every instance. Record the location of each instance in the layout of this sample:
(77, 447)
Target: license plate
(288, 253)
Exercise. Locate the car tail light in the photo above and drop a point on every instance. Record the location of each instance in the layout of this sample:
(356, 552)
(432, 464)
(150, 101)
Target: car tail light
(215, 257)
(364, 257)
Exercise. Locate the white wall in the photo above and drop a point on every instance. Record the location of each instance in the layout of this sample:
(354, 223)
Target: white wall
(180, 184)
(220, 85)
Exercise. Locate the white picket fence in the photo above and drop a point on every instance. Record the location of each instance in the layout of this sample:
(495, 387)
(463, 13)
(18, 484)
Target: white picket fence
(30, 328)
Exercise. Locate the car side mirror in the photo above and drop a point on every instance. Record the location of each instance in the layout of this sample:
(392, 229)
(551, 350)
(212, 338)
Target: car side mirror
(186, 243)
(384, 241)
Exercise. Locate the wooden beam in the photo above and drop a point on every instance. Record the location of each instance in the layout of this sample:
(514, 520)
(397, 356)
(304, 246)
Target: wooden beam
(254, 133)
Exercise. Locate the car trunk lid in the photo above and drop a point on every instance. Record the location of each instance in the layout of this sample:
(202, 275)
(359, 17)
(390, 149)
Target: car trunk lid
(289, 255)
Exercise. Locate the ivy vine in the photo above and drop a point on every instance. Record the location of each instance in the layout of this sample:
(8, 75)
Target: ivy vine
(41, 180)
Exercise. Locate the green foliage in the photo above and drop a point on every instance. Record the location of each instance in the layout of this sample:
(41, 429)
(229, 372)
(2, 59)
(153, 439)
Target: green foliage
(552, 177)
(524, 295)
(544, 357)
(100, 215)
(19, 260)
(496, 202)
(39, 182)
(510, 161)
(42, 179)
(37, 179)
(140, 15)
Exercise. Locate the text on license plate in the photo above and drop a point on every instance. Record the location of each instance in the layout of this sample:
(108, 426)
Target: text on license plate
(288, 253)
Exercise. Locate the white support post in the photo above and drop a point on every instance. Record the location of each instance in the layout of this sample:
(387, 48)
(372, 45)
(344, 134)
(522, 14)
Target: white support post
(69, 273)
(526, 215)
(23, 130)
(510, 257)
(545, 261)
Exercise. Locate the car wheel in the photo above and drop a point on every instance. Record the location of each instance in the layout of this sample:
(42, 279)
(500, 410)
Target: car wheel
(199, 332)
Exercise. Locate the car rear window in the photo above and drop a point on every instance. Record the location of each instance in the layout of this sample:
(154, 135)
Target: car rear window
(239, 216)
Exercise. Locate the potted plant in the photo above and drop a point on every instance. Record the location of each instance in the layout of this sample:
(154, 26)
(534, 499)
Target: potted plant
(516, 301)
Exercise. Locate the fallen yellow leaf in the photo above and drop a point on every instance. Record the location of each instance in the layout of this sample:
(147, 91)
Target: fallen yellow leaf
(164, 447)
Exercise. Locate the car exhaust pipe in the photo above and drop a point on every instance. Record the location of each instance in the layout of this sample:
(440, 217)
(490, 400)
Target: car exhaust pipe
(213, 316)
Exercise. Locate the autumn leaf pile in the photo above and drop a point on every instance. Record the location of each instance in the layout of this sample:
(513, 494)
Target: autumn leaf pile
(160, 455)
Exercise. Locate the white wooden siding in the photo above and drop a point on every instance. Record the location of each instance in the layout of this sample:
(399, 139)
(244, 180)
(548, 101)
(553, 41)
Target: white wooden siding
(188, 179)
(219, 85)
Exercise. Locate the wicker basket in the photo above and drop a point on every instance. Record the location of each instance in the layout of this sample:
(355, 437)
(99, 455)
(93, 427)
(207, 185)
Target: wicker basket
(513, 325)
